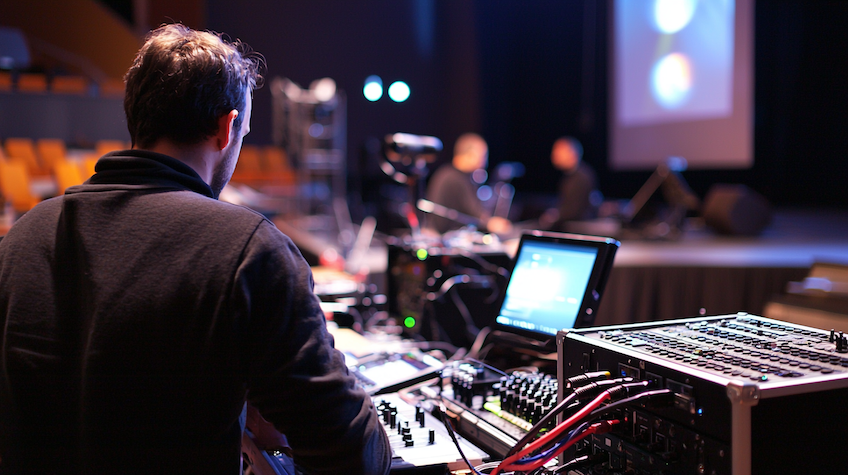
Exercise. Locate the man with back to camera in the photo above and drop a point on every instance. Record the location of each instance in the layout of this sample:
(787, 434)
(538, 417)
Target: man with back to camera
(453, 187)
(140, 313)
(574, 201)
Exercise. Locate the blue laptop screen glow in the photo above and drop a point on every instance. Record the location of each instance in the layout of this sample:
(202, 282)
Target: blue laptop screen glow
(547, 286)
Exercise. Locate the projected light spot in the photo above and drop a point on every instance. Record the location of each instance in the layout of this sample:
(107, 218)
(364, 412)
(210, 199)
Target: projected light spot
(399, 91)
(671, 81)
(421, 254)
(409, 322)
(671, 16)
(373, 89)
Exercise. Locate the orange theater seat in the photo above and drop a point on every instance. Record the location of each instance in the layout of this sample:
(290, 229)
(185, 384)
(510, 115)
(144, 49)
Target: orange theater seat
(105, 146)
(5, 81)
(249, 166)
(69, 85)
(87, 165)
(275, 163)
(50, 151)
(15, 185)
(112, 88)
(32, 82)
(23, 149)
(67, 174)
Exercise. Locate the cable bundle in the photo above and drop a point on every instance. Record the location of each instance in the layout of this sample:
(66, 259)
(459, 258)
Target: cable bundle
(529, 455)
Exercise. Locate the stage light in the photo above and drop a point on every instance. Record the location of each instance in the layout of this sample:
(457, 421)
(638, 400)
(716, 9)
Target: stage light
(399, 91)
(324, 89)
(373, 89)
(671, 80)
(671, 16)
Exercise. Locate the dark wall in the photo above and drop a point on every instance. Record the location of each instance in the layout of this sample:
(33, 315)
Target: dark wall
(425, 43)
(523, 73)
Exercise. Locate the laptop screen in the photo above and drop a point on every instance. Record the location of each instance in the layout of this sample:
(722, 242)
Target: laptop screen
(555, 283)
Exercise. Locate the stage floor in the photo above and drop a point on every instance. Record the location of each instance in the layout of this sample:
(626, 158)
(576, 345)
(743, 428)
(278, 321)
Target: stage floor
(703, 271)
(795, 238)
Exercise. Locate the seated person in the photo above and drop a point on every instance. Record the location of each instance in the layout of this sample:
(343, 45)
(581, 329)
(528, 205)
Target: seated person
(452, 186)
(575, 188)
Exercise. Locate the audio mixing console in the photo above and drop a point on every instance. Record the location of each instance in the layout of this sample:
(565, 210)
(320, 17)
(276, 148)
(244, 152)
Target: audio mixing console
(751, 395)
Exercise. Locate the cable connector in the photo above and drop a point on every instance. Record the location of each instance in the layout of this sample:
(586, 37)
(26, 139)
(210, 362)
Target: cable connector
(603, 427)
(593, 389)
(658, 398)
(581, 379)
(628, 389)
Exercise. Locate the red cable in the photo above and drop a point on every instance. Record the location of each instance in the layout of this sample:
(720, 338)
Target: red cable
(552, 435)
(596, 428)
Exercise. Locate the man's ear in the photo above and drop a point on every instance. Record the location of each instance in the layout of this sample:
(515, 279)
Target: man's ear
(225, 129)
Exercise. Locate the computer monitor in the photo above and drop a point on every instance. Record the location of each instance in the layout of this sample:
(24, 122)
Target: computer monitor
(556, 283)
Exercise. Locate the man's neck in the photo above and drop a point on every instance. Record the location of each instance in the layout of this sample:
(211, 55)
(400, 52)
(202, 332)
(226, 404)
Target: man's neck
(195, 156)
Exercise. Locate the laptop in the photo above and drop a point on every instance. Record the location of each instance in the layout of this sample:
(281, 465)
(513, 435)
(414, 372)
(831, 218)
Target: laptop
(556, 283)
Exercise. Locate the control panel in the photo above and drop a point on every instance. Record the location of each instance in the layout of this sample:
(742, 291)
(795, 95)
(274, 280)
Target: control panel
(744, 388)
(419, 440)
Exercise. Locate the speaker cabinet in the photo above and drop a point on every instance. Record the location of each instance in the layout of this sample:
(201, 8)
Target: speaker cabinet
(736, 210)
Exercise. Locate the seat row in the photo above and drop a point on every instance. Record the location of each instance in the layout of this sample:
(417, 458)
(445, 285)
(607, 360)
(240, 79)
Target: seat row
(75, 85)
(31, 170)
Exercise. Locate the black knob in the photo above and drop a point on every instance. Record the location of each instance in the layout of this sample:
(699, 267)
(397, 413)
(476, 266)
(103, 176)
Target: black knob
(409, 443)
(842, 343)
(432, 439)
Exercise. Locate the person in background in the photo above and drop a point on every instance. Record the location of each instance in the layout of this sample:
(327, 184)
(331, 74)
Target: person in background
(452, 186)
(576, 188)
(139, 314)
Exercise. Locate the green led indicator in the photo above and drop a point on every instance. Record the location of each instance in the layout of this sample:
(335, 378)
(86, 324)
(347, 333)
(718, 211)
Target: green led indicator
(409, 322)
(422, 254)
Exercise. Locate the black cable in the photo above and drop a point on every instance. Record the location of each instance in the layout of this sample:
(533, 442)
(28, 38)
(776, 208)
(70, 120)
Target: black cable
(541, 424)
(448, 427)
(492, 268)
(471, 330)
(611, 407)
(478, 342)
(485, 350)
(589, 388)
(579, 462)
(661, 394)
(489, 367)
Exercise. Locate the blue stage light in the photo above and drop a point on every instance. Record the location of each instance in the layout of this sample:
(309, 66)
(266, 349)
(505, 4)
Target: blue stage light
(399, 91)
(373, 89)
